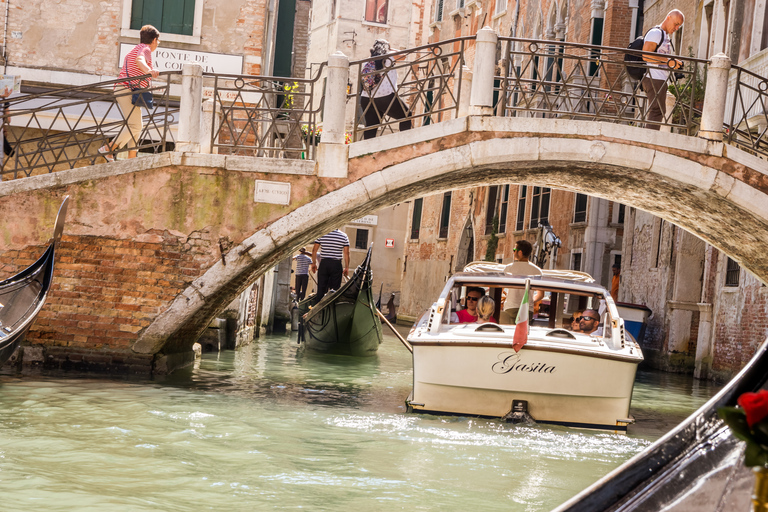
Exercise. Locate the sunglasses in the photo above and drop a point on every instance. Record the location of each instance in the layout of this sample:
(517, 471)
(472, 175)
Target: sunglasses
(473, 298)
(589, 319)
(577, 319)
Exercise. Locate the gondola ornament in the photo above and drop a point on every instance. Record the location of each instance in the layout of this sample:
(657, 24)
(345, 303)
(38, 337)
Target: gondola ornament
(749, 422)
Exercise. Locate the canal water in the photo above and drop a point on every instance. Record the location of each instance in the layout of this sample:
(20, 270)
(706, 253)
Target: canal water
(270, 427)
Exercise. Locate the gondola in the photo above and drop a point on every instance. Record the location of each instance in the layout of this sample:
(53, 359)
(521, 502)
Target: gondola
(23, 295)
(344, 321)
(696, 466)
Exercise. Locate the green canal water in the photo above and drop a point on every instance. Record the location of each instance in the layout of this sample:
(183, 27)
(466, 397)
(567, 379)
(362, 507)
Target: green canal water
(272, 428)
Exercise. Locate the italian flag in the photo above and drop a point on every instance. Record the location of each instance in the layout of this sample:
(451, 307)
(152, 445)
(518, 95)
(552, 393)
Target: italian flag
(521, 322)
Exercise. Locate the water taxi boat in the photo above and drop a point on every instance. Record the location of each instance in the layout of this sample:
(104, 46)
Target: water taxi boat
(23, 295)
(559, 376)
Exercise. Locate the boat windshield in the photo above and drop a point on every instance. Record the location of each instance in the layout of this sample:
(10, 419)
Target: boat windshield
(551, 307)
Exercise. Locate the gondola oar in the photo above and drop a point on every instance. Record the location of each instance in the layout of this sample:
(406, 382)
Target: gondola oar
(402, 340)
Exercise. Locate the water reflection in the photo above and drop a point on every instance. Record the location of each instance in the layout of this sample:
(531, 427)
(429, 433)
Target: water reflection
(271, 427)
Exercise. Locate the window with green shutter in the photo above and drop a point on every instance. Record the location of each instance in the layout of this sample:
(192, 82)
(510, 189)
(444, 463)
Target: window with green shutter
(167, 16)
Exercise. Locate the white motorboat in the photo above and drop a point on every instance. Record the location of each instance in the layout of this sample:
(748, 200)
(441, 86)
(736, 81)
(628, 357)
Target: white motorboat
(559, 376)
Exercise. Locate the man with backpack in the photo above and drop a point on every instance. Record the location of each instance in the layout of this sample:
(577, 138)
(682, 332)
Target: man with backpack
(654, 82)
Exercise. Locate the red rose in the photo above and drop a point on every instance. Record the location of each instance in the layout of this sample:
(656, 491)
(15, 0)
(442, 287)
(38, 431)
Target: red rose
(755, 405)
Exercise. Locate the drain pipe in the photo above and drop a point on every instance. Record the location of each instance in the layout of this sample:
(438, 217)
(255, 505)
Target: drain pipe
(5, 37)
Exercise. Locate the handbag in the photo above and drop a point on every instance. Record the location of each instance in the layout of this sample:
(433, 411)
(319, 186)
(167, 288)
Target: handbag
(141, 97)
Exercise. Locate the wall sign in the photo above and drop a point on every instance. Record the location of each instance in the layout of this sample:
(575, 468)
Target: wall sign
(389, 243)
(272, 192)
(370, 220)
(171, 59)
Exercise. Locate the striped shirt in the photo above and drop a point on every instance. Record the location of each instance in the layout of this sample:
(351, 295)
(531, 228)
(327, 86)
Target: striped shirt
(302, 264)
(332, 245)
(130, 68)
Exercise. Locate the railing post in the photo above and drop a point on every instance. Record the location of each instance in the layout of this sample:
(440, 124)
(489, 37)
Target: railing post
(481, 102)
(332, 152)
(191, 109)
(715, 97)
(465, 85)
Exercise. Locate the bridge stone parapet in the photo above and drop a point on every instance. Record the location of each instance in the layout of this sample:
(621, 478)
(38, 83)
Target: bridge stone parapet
(156, 247)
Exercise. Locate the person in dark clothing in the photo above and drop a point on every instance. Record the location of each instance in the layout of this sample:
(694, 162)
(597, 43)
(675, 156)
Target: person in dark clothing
(379, 94)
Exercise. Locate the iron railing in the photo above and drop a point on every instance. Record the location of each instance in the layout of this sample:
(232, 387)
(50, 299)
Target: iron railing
(747, 125)
(63, 127)
(414, 87)
(556, 79)
(266, 116)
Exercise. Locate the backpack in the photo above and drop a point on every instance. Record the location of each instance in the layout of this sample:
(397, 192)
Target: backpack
(636, 72)
(371, 77)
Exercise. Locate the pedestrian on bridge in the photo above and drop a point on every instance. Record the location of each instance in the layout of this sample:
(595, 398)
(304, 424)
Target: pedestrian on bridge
(333, 248)
(654, 82)
(138, 62)
(378, 97)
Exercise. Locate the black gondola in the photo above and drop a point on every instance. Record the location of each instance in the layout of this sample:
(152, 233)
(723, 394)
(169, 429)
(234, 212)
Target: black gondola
(344, 321)
(696, 466)
(23, 295)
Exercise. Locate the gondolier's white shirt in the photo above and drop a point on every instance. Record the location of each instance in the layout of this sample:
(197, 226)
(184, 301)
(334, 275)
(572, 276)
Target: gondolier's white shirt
(519, 268)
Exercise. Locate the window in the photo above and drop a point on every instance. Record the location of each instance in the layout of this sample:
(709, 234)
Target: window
(503, 211)
(539, 206)
(361, 239)
(580, 210)
(376, 11)
(576, 261)
(521, 208)
(439, 10)
(732, 271)
(445, 215)
(169, 16)
(490, 210)
(459, 4)
(622, 210)
(179, 21)
(501, 6)
(416, 219)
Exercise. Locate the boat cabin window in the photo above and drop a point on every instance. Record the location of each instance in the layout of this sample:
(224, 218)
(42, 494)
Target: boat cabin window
(550, 308)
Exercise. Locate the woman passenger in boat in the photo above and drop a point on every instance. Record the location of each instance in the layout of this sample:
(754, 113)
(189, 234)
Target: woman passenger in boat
(469, 315)
(575, 320)
(485, 307)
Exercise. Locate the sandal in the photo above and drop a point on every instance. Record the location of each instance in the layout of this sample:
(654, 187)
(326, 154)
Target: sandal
(106, 152)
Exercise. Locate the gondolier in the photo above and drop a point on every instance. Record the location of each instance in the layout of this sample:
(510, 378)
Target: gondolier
(333, 248)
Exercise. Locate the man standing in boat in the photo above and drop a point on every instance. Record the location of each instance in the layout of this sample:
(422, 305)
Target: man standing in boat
(332, 248)
(303, 261)
(520, 267)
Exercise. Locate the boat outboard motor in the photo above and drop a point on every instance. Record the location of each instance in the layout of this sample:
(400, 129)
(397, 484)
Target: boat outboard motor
(519, 413)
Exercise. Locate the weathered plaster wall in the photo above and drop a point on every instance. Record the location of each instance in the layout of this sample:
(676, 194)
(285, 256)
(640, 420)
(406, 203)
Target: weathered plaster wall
(83, 36)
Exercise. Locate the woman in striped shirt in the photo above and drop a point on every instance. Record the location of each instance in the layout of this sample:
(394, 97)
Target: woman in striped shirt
(138, 62)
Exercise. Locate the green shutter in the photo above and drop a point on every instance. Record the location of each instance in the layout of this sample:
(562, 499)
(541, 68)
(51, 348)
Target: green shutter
(286, 13)
(168, 16)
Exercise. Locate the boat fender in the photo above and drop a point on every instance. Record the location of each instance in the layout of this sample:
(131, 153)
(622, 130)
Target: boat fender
(519, 413)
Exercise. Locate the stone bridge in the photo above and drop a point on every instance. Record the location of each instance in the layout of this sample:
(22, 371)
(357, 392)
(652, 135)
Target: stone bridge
(155, 247)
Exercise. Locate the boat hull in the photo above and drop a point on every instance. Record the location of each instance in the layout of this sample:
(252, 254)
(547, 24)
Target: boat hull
(344, 322)
(561, 387)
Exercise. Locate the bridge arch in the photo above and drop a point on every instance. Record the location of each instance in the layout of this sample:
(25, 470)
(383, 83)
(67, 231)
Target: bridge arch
(715, 192)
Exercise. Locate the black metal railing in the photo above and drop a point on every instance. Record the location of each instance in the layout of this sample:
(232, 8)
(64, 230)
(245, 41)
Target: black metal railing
(747, 124)
(62, 127)
(414, 87)
(556, 79)
(266, 116)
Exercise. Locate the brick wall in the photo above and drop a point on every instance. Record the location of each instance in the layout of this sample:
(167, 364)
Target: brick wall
(104, 292)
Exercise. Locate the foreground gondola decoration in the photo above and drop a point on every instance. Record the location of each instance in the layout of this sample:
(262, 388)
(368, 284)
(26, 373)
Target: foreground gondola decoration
(344, 321)
(23, 295)
(696, 466)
